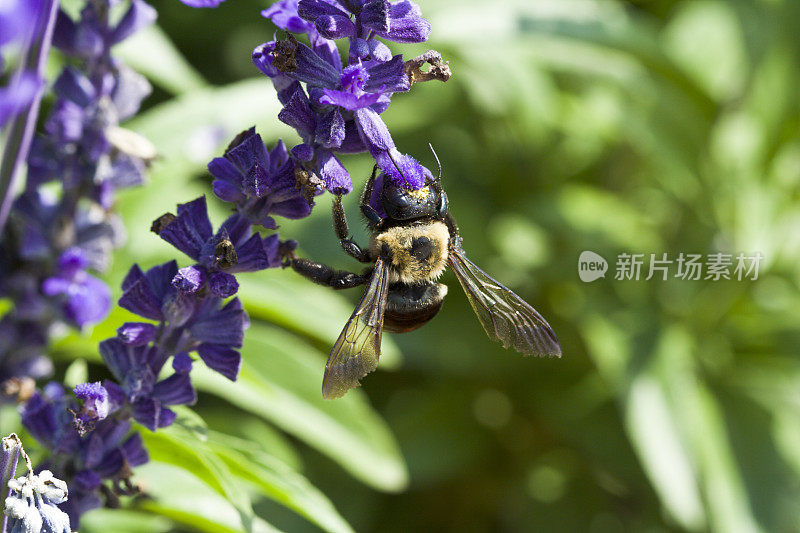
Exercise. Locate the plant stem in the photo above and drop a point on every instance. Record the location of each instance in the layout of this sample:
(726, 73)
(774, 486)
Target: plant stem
(21, 130)
(10, 447)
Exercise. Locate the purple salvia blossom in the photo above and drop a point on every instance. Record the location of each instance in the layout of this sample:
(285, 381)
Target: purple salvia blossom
(107, 452)
(339, 108)
(189, 321)
(261, 183)
(233, 248)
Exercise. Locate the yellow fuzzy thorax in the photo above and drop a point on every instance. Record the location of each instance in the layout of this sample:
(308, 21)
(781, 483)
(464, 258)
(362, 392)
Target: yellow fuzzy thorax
(404, 266)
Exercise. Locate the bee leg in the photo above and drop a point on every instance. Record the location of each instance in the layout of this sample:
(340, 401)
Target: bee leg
(325, 275)
(342, 230)
(373, 218)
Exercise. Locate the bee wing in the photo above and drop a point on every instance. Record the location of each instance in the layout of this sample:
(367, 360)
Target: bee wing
(504, 315)
(358, 347)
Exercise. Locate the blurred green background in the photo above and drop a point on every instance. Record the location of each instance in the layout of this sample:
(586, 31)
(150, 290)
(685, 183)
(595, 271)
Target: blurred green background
(568, 125)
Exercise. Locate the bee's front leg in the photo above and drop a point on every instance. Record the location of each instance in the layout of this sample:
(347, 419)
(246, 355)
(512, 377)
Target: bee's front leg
(326, 275)
(342, 230)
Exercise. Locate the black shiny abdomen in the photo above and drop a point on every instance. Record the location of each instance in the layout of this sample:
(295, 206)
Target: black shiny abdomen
(410, 306)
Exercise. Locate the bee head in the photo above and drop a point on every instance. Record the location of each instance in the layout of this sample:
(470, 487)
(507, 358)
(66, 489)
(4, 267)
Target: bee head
(401, 203)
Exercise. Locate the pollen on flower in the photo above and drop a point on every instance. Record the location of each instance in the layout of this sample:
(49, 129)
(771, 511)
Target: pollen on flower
(283, 57)
(354, 78)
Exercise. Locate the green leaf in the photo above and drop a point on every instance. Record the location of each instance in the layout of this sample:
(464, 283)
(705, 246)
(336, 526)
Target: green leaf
(76, 373)
(191, 422)
(123, 521)
(654, 435)
(171, 71)
(280, 381)
(178, 494)
(278, 482)
(231, 108)
(178, 446)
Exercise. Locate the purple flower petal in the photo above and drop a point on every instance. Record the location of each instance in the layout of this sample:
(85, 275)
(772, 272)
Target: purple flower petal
(359, 49)
(379, 51)
(182, 363)
(221, 359)
(373, 131)
(145, 294)
(137, 333)
(297, 113)
(15, 97)
(337, 179)
(303, 152)
(190, 229)
(189, 279)
(375, 15)
(83, 40)
(349, 100)
(226, 191)
(313, 69)
(133, 450)
(330, 129)
(403, 169)
(220, 326)
(148, 413)
(95, 401)
(175, 390)
(406, 24)
(139, 15)
(387, 77)
(251, 256)
(75, 86)
(256, 181)
(335, 26)
(223, 284)
(312, 9)
(295, 208)
(283, 14)
(88, 301)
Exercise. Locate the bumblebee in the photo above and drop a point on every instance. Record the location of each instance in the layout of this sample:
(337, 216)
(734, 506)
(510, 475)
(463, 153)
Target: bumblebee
(408, 251)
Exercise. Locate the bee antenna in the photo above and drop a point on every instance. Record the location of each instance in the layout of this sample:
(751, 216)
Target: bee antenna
(397, 167)
(438, 163)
